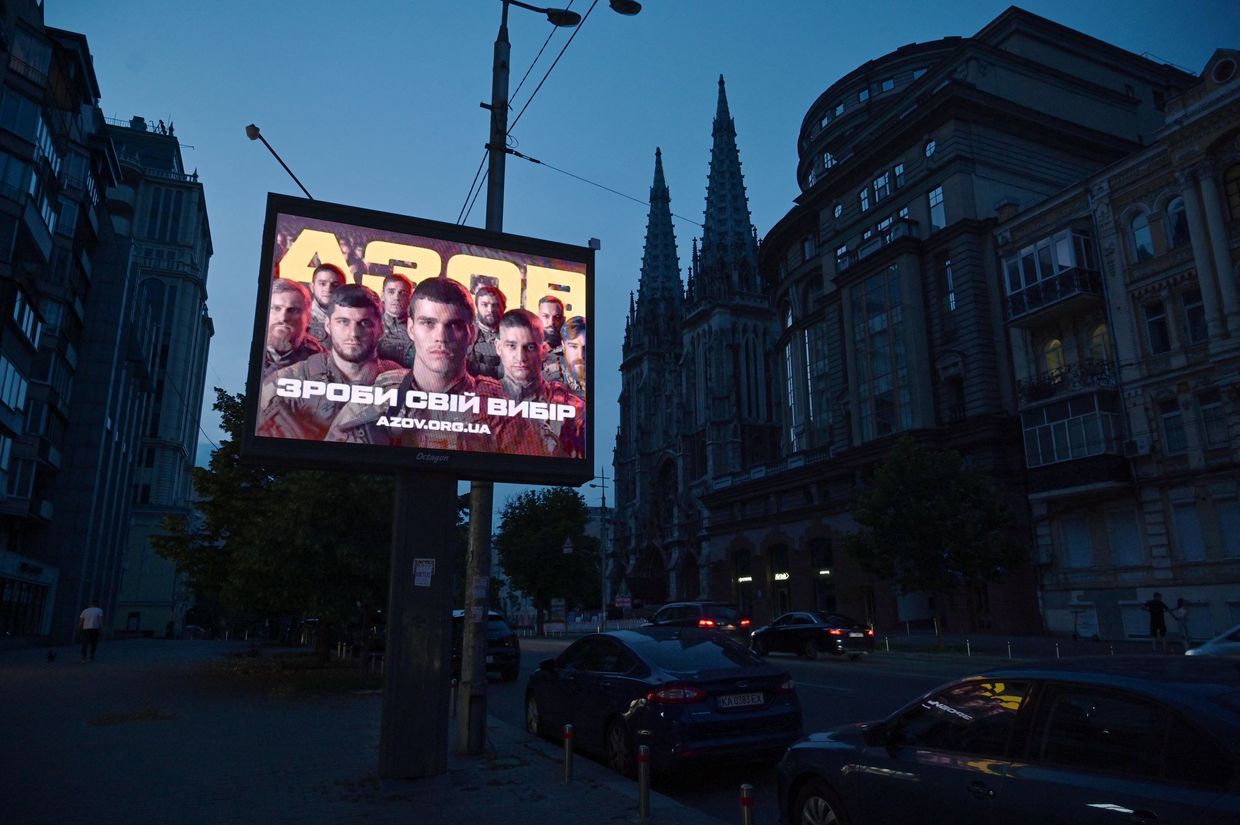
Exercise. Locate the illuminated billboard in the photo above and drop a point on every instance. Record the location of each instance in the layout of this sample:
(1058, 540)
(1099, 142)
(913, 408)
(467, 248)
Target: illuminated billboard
(384, 342)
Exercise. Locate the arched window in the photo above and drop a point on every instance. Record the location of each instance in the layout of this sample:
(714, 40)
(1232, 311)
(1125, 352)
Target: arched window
(1177, 224)
(1142, 238)
(1052, 359)
(1100, 345)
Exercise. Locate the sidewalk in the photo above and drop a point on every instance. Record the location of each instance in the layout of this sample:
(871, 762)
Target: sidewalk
(139, 736)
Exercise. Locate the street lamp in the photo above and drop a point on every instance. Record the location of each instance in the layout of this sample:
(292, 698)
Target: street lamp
(604, 547)
(471, 714)
(253, 133)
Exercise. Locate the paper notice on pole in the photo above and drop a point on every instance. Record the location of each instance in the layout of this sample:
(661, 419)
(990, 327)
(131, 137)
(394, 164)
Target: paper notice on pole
(423, 570)
(480, 587)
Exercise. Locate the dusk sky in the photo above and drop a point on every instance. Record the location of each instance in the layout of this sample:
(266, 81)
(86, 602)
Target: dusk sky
(375, 104)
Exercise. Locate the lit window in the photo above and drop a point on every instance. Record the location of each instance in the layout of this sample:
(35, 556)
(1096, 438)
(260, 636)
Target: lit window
(899, 170)
(1100, 344)
(864, 197)
(1142, 239)
(1177, 223)
(1052, 359)
(888, 84)
(863, 95)
(841, 251)
(839, 210)
(882, 186)
(930, 147)
(938, 213)
(828, 160)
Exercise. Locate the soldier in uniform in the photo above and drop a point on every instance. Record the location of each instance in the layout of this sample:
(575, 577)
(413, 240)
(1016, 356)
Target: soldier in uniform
(441, 327)
(523, 350)
(323, 282)
(353, 323)
(287, 323)
(569, 367)
(483, 359)
(551, 313)
(395, 345)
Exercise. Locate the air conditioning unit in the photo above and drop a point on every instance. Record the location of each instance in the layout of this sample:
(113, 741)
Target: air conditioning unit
(1137, 446)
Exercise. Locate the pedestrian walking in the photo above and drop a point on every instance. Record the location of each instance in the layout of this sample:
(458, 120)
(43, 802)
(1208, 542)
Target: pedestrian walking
(90, 623)
(1157, 609)
(1180, 614)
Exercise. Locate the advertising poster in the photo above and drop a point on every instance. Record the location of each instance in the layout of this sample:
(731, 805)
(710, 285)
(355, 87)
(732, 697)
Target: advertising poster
(384, 342)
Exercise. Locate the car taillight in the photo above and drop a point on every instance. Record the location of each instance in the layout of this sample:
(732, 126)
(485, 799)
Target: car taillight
(706, 622)
(786, 686)
(869, 631)
(744, 623)
(835, 631)
(676, 695)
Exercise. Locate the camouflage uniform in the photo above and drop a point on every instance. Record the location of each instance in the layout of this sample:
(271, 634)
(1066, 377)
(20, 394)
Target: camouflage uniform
(273, 361)
(359, 423)
(556, 371)
(483, 358)
(531, 436)
(395, 345)
(318, 323)
(308, 418)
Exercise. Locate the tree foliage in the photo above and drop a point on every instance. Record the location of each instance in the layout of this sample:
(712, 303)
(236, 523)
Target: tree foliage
(930, 525)
(271, 542)
(530, 543)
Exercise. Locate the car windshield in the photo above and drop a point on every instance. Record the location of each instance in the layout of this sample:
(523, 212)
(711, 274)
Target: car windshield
(691, 654)
(498, 626)
(721, 611)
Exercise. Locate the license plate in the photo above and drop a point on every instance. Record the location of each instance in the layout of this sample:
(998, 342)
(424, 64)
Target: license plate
(739, 700)
(856, 635)
(490, 660)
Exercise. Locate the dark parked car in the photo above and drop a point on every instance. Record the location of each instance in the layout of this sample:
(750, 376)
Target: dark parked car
(691, 695)
(719, 616)
(808, 633)
(503, 648)
(1136, 739)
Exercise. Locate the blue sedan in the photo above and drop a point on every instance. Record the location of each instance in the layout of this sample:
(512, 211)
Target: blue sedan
(1106, 741)
(690, 695)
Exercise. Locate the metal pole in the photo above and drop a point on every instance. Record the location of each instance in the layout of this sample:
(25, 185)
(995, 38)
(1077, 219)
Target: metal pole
(746, 804)
(471, 727)
(643, 782)
(1056, 650)
(1009, 650)
(568, 754)
(968, 648)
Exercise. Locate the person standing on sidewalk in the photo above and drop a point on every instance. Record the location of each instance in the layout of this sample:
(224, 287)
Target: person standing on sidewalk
(90, 622)
(1180, 614)
(1157, 609)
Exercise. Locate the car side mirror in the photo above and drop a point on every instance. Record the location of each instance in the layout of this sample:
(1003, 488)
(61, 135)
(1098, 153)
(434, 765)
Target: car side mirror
(547, 665)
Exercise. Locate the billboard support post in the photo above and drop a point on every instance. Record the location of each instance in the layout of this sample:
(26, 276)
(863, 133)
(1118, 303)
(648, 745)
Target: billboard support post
(413, 732)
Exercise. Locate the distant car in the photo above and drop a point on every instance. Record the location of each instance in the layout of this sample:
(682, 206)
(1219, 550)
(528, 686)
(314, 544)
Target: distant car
(718, 616)
(1226, 643)
(808, 633)
(691, 695)
(503, 654)
(1087, 741)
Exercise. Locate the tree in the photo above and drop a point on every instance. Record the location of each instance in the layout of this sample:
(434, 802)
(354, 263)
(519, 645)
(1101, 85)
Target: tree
(274, 542)
(530, 543)
(930, 525)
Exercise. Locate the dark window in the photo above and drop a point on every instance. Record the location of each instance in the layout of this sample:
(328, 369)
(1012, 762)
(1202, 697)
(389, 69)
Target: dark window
(938, 212)
(1142, 238)
(1156, 333)
(975, 718)
(1101, 731)
(697, 652)
(1231, 186)
(1194, 317)
(888, 85)
(1173, 426)
(1177, 224)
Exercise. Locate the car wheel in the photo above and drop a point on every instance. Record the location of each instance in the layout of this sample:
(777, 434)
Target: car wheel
(620, 750)
(759, 647)
(533, 718)
(810, 650)
(817, 804)
(509, 674)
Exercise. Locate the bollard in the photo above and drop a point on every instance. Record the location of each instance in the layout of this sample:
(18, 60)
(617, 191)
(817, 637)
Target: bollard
(1112, 650)
(568, 754)
(968, 648)
(1009, 650)
(887, 642)
(643, 782)
(746, 804)
(1056, 650)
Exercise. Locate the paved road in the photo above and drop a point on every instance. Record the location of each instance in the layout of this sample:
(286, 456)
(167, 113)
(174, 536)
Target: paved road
(832, 692)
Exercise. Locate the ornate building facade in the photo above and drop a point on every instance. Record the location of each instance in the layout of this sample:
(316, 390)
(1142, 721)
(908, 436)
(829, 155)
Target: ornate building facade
(878, 310)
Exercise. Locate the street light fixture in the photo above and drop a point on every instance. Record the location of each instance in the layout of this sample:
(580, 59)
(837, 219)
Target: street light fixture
(253, 133)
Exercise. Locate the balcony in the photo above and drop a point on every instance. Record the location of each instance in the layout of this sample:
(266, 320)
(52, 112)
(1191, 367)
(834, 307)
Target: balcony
(24, 69)
(1073, 379)
(1061, 294)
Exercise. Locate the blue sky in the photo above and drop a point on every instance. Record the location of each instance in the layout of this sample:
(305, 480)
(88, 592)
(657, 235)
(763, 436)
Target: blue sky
(375, 104)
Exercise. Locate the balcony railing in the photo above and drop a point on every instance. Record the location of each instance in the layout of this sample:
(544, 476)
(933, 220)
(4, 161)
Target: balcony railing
(1089, 374)
(27, 71)
(902, 228)
(1049, 291)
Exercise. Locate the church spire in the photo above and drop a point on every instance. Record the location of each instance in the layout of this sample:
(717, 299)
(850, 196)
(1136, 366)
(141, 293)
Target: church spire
(728, 261)
(659, 292)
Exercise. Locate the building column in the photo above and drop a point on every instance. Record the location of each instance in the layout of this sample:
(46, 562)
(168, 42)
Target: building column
(1202, 257)
(1213, 204)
